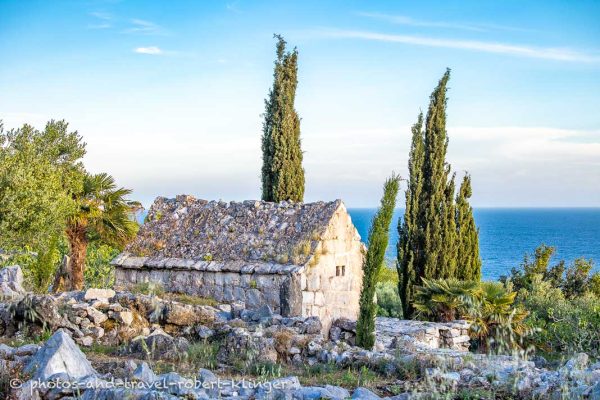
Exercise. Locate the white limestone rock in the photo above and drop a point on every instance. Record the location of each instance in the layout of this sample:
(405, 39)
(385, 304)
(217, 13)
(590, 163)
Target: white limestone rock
(59, 354)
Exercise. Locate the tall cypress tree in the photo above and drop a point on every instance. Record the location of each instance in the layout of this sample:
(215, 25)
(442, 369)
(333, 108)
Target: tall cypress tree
(378, 241)
(468, 259)
(435, 186)
(282, 172)
(430, 235)
(410, 235)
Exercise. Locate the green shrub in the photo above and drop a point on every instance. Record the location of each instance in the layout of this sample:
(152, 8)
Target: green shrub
(562, 325)
(388, 300)
(98, 272)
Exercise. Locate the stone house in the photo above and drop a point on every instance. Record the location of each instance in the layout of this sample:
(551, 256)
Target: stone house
(300, 259)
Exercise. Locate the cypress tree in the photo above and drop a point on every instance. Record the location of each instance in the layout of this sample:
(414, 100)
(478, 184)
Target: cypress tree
(282, 172)
(410, 235)
(378, 241)
(468, 260)
(431, 233)
(434, 201)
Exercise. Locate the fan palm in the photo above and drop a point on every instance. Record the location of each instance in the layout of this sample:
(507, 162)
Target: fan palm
(496, 318)
(103, 213)
(444, 300)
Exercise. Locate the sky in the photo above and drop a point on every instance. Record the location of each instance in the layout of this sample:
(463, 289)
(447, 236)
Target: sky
(168, 95)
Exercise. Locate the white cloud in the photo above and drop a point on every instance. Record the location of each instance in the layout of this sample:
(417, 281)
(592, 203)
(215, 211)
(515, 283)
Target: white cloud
(143, 27)
(152, 50)
(104, 20)
(404, 20)
(548, 53)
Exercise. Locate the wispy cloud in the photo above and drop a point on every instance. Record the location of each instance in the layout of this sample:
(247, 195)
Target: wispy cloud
(548, 53)
(143, 27)
(103, 20)
(233, 7)
(151, 50)
(405, 20)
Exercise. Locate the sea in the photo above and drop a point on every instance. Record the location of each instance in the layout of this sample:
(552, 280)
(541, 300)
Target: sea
(507, 234)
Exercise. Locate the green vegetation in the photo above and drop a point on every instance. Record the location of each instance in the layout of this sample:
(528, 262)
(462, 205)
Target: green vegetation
(98, 271)
(468, 260)
(563, 302)
(373, 263)
(496, 322)
(103, 213)
(282, 172)
(50, 206)
(149, 288)
(435, 234)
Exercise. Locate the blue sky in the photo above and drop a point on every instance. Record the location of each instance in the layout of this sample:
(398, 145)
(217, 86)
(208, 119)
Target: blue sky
(169, 95)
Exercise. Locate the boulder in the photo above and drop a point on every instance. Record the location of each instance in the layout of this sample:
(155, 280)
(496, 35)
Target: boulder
(364, 394)
(59, 354)
(144, 373)
(11, 282)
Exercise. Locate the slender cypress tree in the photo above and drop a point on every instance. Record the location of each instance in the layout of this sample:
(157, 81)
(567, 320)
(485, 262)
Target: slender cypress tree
(410, 235)
(378, 241)
(435, 186)
(468, 260)
(282, 172)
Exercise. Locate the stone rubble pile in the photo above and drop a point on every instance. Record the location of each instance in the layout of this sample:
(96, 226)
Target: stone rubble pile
(393, 333)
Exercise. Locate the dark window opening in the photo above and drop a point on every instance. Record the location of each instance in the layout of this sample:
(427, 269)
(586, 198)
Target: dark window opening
(340, 270)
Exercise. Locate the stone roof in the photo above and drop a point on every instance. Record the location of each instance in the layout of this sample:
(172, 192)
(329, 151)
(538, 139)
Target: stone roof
(185, 232)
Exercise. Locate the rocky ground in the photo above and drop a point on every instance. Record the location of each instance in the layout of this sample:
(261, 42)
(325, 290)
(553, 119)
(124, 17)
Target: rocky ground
(101, 344)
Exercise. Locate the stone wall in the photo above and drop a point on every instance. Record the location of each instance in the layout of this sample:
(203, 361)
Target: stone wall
(279, 291)
(332, 279)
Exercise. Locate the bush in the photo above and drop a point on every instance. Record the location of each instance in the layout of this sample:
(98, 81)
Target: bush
(98, 271)
(574, 280)
(562, 324)
(388, 300)
(563, 302)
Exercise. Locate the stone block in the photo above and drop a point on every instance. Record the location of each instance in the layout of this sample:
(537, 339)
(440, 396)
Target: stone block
(308, 298)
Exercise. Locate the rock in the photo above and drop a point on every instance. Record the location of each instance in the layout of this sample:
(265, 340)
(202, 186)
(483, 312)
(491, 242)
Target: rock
(208, 381)
(144, 373)
(595, 392)
(312, 393)
(312, 325)
(364, 394)
(125, 317)
(345, 324)
(236, 309)
(99, 294)
(337, 392)
(97, 317)
(261, 313)
(539, 361)
(175, 384)
(204, 332)
(185, 315)
(26, 350)
(59, 354)
(578, 362)
(86, 341)
(6, 352)
(11, 282)
(335, 333)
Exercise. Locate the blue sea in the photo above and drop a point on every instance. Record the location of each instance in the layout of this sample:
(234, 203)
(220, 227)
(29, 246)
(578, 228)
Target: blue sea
(507, 234)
